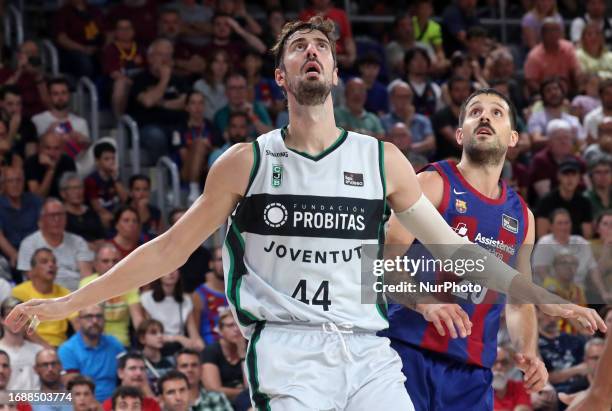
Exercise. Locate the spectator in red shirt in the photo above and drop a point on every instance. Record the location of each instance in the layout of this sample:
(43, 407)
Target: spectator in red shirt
(346, 50)
(79, 31)
(132, 373)
(509, 395)
(127, 225)
(122, 60)
(28, 76)
(142, 14)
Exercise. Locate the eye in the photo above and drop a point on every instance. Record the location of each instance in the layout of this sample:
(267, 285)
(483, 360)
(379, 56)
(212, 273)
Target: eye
(323, 45)
(475, 112)
(498, 113)
(299, 46)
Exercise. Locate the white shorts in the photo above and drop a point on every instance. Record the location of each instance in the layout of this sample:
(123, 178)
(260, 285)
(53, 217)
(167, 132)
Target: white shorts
(298, 368)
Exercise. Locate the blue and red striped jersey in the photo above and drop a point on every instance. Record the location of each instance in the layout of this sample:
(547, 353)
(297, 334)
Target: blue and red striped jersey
(500, 226)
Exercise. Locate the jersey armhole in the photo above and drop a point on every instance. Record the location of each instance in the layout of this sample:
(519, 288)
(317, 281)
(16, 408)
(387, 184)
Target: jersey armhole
(254, 167)
(525, 216)
(446, 187)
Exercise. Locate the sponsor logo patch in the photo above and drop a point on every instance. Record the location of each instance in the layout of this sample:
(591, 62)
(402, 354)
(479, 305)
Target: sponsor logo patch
(510, 224)
(460, 206)
(353, 179)
(277, 175)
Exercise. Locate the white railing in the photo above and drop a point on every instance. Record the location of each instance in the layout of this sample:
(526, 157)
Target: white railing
(164, 166)
(128, 129)
(13, 27)
(50, 57)
(89, 111)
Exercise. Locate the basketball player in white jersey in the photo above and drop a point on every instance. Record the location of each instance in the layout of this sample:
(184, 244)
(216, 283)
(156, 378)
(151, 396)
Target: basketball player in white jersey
(301, 203)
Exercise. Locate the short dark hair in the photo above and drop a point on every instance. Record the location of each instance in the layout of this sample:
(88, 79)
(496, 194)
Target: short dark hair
(81, 380)
(126, 391)
(548, 81)
(187, 351)
(238, 113)
(138, 177)
(33, 259)
(9, 89)
(557, 212)
(8, 358)
(600, 160)
(58, 80)
(176, 211)
(318, 23)
(129, 355)
(194, 92)
(103, 147)
(476, 32)
(122, 209)
(600, 216)
(511, 108)
(170, 376)
(413, 52)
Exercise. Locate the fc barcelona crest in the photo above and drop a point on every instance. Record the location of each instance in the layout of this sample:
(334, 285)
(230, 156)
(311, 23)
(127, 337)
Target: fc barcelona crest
(460, 206)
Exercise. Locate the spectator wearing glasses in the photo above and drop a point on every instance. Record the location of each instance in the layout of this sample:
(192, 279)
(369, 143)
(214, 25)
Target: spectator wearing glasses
(593, 350)
(71, 250)
(508, 394)
(92, 353)
(48, 368)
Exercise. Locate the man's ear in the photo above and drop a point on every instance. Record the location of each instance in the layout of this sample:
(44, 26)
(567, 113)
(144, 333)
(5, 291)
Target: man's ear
(279, 77)
(514, 138)
(459, 136)
(335, 76)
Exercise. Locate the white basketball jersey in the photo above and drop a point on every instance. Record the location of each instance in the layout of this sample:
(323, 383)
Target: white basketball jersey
(292, 253)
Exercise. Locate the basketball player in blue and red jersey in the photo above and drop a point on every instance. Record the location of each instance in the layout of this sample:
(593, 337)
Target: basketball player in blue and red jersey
(448, 350)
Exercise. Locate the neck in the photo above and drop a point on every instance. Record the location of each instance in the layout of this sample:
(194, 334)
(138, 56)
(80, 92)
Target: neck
(91, 342)
(484, 178)
(311, 129)
(12, 339)
(564, 239)
(194, 392)
(53, 239)
(214, 283)
(221, 42)
(15, 201)
(566, 193)
(168, 290)
(228, 347)
(124, 44)
(195, 121)
(356, 111)
(604, 194)
(42, 286)
(422, 20)
(152, 354)
(416, 78)
(125, 242)
(74, 208)
(554, 111)
(59, 114)
(551, 48)
(53, 387)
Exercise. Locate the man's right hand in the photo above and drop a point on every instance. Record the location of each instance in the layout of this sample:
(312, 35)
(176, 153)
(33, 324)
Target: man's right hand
(451, 316)
(45, 310)
(46, 161)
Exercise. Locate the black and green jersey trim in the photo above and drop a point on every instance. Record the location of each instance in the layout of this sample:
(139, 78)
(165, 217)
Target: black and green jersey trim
(381, 303)
(235, 248)
(261, 400)
(341, 138)
(255, 167)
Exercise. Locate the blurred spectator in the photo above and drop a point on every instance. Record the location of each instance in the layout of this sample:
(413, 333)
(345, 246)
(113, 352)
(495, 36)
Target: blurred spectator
(593, 119)
(193, 143)
(562, 353)
(446, 120)
(533, 21)
(8, 157)
(29, 78)
(131, 371)
(21, 130)
(346, 51)
(553, 97)
(457, 18)
(150, 335)
(121, 61)
(196, 18)
(20, 351)
(44, 170)
(41, 284)
(588, 98)
(354, 117)
(173, 390)
(462, 66)
(128, 227)
(222, 360)
(222, 39)
(568, 196)
(236, 132)
(119, 312)
(593, 350)
(187, 58)
(478, 47)
(400, 136)
(237, 100)
(157, 99)
(262, 88)
(592, 55)
(5, 375)
(79, 31)
(426, 93)
(602, 250)
(596, 13)
(427, 31)
(499, 68)
(18, 213)
(128, 398)
(82, 391)
(189, 363)
(402, 111)
(212, 83)
(92, 353)
(377, 100)
(49, 370)
(167, 303)
(140, 200)
(545, 163)
(142, 14)
(403, 39)
(509, 395)
(565, 265)
(73, 129)
(557, 241)
(600, 193)
(209, 298)
(80, 219)
(237, 9)
(275, 21)
(191, 271)
(554, 56)
(103, 189)
(71, 250)
(524, 142)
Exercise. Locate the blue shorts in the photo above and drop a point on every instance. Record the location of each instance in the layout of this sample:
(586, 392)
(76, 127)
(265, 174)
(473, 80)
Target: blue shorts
(439, 383)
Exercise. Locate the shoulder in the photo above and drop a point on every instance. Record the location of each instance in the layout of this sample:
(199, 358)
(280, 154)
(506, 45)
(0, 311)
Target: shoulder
(60, 291)
(113, 342)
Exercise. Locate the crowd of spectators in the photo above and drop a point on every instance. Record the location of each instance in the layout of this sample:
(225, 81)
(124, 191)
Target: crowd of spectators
(196, 77)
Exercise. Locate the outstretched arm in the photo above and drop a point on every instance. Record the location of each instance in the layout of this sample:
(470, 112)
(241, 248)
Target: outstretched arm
(226, 183)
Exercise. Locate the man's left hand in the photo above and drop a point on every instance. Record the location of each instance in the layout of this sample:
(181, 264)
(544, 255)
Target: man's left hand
(536, 375)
